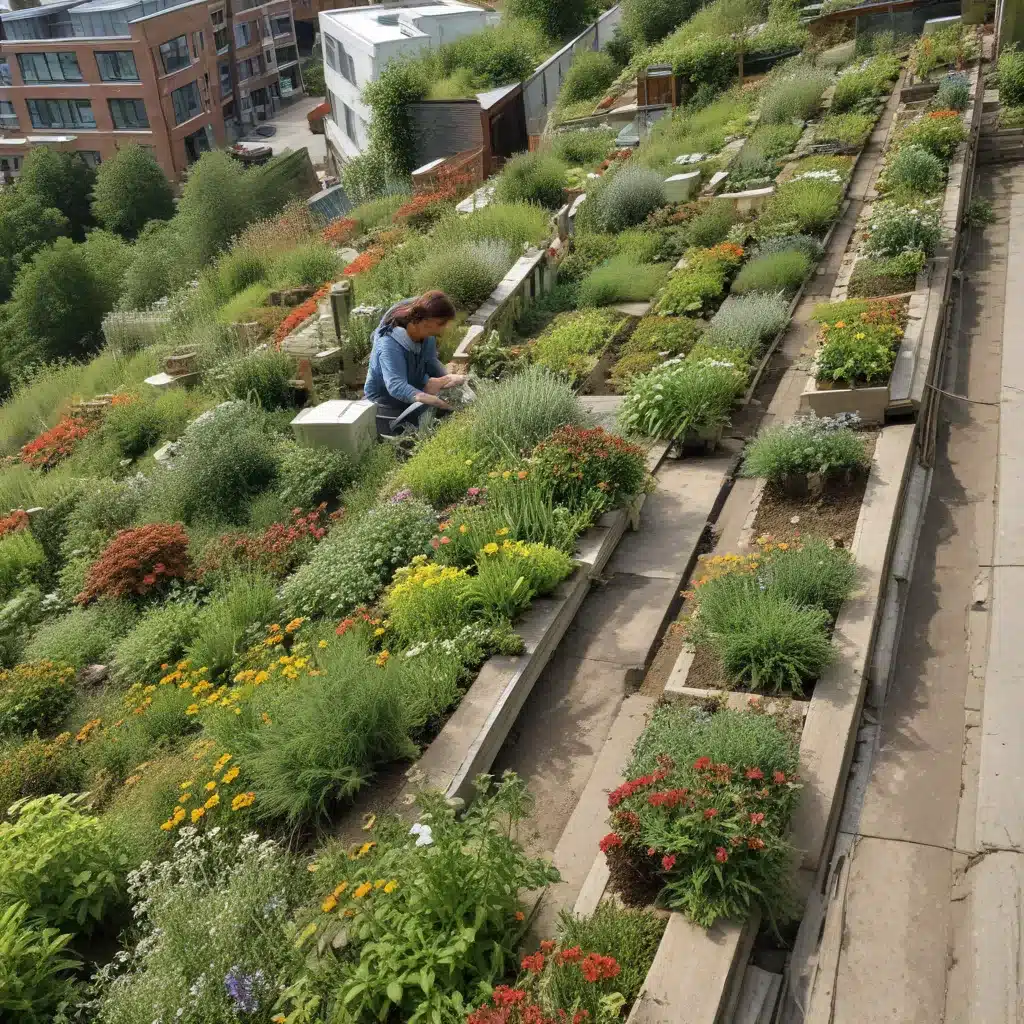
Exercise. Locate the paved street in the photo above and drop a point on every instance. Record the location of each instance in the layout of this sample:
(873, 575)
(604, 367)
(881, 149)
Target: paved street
(293, 131)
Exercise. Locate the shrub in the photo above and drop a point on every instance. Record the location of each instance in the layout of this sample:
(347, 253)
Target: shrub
(131, 190)
(805, 206)
(712, 224)
(427, 600)
(621, 279)
(700, 281)
(306, 476)
(353, 567)
(584, 147)
(509, 575)
(810, 574)
(954, 93)
(589, 75)
(895, 229)
(468, 273)
(135, 425)
(764, 640)
(443, 465)
(778, 272)
(859, 340)
(83, 636)
(225, 459)
(664, 335)
(744, 322)
(793, 96)
(34, 967)
(804, 446)
(18, 617)
(80, 883)
(862, 83)
(631, 365)
(680, 397)
(263, 377)
(632, 194)
(740, 767)
(21, 558)
(574, 342)
(887, 275)
(954, 44)
(35, 697)
(589, 468)
(939, 132)
(161, 636)
(807, 244)
(106, 507)
(517, 224)
(312, 264)
(36, 767)
(139, 562)
(532, 178)
(511, 416)
(53, 446)
(522, 503)
(647, 21)
(216, 204)
(846, 129)
(914, 170)
(775, 140)
(1010, 76)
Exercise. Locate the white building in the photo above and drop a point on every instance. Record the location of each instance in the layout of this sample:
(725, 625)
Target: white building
(359, 41)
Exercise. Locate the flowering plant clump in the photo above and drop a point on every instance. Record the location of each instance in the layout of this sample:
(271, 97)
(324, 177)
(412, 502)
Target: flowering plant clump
(711, 831)
(365, 261)
(939, 132)
(35, 697)
(221, 796)
(138, 562)
(895, 228)
(340, 231)
(56, 444)
(591, 468)
(427, 601)
(17, 520)
(300, 314)
(804, 446)
(858, 339)
(702, 279)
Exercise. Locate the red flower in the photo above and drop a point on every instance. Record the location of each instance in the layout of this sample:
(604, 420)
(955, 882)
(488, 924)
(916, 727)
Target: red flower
(520, 916)
(755, 773)
(17, 520)
(628, 819)
(534, 964)
(547, 946)
(569, 956)
(610, 841)
(596, 967)
(779, 777)
(702, 763)
(580, 1016)
(757, 818)
(721, 855)
(668, 862)
(57, 443)
(711, 812)
(127, 565)
(505, 996)
(651, 851)
(756, 843)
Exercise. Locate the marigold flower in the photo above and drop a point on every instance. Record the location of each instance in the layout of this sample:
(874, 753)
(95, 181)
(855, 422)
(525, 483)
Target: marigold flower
(329, 904)
(391, 886)
(230, 775)
(243, 800)
(210, 786)
(212, 802)
(361, 891)
(490, 549)
(197, 813)
(520, 916)
(382, 658)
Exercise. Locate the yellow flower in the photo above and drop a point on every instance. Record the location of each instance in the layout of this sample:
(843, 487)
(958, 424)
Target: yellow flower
(340, 888)
(212, 802)
(230, 775)
(361, 891)
(391, 886)
(210, 786)
(860, 336)
(312, 868)
(506, 474)
(380, 883)
(197, 813)
(242, 800)
(379, 631)
(463, 528)
(329, 904)
(293, 625)
(322, 644)
(260, 678)
(522, 474)
(278, 1018)
(167, 826)
(382, 658)
(366, 848)
(469, 462)
(491, 549)
(185, 797)
(266, 718)
(783, 547)
(502, 532)
(192, 709)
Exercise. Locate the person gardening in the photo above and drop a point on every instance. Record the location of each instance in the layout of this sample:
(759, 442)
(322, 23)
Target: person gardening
(404, 367)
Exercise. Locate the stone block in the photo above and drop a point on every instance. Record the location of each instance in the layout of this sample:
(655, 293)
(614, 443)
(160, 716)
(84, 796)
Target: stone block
(344, 425)
(681, 187)
(751, 199)
(342, 300)
(869, 403)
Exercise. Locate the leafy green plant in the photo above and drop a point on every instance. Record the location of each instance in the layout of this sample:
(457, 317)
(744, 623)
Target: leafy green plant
(590, 73)
(468, 273)
(34, 968)
(621, 279)
(700, 281)
(861, 83)
(846, 129)
(705, 810)
(509, 576)
(859, 340)
(953, 44)
(628, 197)
(311, 264)
(37, 767)
(664, 335)
(21, 558)
(354, 564)
(443, 465)
(574, 342)
(306, 475)
(744, 322)
(263, 377)
(59, 861)
(518, 224)
(896, 228)
(804, 446)
(793, 94)
(954, 93)
(161, 636)
(810, 574)
(807, 205)
(532, 178)
(1010, 76)
(583, 147)
(35, 697)
(886, 275)
(680, 397)
(939, 132)
(711, 225)
(427, 600)
(777, 272)
(18, 617)
(83, 636)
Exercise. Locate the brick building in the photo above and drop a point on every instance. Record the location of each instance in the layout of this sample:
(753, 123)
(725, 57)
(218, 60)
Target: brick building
(178, 78)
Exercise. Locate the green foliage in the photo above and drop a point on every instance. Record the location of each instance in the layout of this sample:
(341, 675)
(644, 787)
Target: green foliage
(743, 323)
(216, 204)
(589, 75)
(131, 190)
(369, 181)
(375, 213)
(263, 377)
(109, 256)
(560, 19)
(36, 767)
(860, 340)
(1010, 76)
(444, 465)
(938, 132)
(680, 397)
(34, 966)
(354, 564)
(700, 281)
(775, 140)
(21, 558)
(532, 178)
(505, 53)
(887, 275)
(161, 263)
(161, 636)
(574, 342)
(26, 226)
(664, 335)
(18, 617)
(517, 224)
(804, 446)
(628, 198)
(584, 147)
(312, 264)
(647, 21)
(313, 77)
(897, 228)
(83, 636)
(621, 279)
(511, 416)
(711, 225)
(61, 180)
(793, 94)
(846, 129)
(777, 272)
(954, 44)
(467, 273)
(811, 574)
(807, 244)
(954, 93)
(136, 426)
(35, 697)
(860, 84)
(804, 206)
(307, 475)
(59, 861)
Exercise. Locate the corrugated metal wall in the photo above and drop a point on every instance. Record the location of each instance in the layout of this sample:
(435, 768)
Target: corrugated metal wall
(445, 127)
(540, 91)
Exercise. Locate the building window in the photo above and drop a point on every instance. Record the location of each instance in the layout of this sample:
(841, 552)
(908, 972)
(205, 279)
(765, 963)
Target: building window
(217, 17)
(49, 67)
(186, 103)
(61, 114)
(197, 44)
(198, 143)
(5, 71)
(128, 115)
(243, 34)
(224, 70)
(281, 25)
(90, 157)
(221, 40)
(287, 55)
(350, 122)
(339, 59)
(8, 116)
(117, 66)
(268, 57)
(174, 54)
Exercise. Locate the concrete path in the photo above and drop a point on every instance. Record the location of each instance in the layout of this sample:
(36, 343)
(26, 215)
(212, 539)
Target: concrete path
(293, 131)
(908, 827)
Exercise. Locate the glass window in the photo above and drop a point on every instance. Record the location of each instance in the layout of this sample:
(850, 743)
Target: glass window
(128, 115)
(224, 70)
(174, 54)
(8, 116)
(61, 114)
(117, 66)
(243, 34)
(186, 103)
(221, 40)
(49, 67)
(281, 25)
(217, 17)
(5, 71)
(350, 122)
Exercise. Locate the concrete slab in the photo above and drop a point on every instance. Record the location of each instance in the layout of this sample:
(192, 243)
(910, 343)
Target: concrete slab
(893, 969)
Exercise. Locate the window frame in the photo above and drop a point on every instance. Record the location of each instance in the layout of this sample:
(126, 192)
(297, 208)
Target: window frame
(118, 100)
(78, 105)
(180, 91)
(180, 44)
(57, 63)
(9, 120)
(116, 57)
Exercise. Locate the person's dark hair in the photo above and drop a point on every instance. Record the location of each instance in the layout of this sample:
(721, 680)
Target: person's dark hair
(429, 306)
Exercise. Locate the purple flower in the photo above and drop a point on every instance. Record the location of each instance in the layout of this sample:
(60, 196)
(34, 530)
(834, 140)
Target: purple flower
(403, 495)
(243, 989)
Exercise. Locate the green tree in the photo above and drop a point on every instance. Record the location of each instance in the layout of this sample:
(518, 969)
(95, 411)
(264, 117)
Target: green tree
(109, 256)
(58, 303)
(26, 226)
(560, 19)
(62, 180)
(313, 78)
(217, 202)
(131, 189)
(159, 264)
(392, 133)
(647, 21)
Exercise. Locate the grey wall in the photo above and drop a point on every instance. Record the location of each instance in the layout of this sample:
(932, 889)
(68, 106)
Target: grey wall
(445, 127)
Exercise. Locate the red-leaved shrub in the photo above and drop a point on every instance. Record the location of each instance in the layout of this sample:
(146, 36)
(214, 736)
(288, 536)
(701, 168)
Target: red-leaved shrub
(56, 444)
(300, 313)
(17, 520)
(138, 562)
(340, 231)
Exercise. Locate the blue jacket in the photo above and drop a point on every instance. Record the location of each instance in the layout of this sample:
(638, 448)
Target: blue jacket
(399, 366)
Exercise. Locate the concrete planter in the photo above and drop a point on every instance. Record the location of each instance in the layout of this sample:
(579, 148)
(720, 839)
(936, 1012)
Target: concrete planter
(823, 399)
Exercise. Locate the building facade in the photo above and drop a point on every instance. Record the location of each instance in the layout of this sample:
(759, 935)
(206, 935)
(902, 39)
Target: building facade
(179, 79)
(357, 44)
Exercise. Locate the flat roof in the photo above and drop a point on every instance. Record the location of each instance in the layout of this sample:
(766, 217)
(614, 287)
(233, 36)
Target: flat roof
(386, 23)
(37, 12)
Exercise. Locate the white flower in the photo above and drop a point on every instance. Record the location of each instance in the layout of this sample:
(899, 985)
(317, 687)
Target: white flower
(424, 834)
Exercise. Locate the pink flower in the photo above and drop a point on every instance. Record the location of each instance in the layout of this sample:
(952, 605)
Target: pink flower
(721, 855)
(668, 862)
